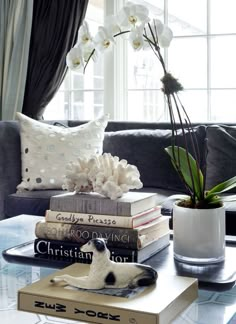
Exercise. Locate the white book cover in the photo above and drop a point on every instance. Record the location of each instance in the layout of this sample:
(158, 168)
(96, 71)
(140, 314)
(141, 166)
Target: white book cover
(103, 220)
(129, 204)
(157, 304)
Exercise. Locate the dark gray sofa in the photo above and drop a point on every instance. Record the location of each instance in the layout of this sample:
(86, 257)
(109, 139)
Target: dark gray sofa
(142, 144)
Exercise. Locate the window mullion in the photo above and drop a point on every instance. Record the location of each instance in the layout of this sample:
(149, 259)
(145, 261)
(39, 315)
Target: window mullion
(121, 80)
(114, 76)
(166, 111)
(109, 69)
(209, 113)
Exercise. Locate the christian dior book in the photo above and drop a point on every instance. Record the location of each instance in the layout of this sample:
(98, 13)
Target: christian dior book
(71, 251)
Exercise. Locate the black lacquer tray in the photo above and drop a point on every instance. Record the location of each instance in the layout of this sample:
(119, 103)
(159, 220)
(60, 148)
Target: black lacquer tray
(220, 276)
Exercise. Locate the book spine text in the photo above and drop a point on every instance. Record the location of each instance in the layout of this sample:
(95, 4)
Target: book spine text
(72, 251)
(120, 237)
(89, 219)
(81, 311)
(90, 206)
(103, 220)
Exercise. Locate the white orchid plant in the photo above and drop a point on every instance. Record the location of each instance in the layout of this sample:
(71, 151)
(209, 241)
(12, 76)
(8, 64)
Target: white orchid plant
(133, 20)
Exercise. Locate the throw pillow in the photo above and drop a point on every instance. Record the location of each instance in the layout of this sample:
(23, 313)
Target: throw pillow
(221, 156)
(145, 148)
(46, 149)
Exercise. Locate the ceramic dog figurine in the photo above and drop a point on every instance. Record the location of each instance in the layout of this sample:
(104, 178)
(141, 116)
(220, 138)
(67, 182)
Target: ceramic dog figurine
(105, 273)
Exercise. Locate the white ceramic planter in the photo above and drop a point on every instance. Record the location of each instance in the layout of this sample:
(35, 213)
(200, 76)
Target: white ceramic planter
(199, 235)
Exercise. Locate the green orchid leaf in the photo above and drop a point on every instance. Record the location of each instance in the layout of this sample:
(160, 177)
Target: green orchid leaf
(216, 200)
(228, 198)
(179, 158)
(220, 188)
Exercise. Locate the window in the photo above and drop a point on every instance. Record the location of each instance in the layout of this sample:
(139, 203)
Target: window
(81, 96)
(127, 85)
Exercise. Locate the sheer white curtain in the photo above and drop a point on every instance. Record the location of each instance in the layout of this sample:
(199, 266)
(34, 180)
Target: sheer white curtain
(15, 31)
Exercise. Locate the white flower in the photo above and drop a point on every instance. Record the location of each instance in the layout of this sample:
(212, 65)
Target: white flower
(74, 59)
(112, 25)
(103, 40)
(159, 33)
(157, 28)
(166, 37)
(133, 14)
(136, 38)
(142, 34)
(84, 36)
(90, 52)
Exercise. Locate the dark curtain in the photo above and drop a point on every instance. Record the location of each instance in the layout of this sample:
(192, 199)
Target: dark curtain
(54, 31)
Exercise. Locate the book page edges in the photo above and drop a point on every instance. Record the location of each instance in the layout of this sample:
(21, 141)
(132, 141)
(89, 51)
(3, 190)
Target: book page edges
(138, 205)
(87, 312)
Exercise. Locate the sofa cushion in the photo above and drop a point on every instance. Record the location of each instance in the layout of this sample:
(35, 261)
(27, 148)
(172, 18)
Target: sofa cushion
(46, 149)
(145, 149)
(221, 155)
(29, 202)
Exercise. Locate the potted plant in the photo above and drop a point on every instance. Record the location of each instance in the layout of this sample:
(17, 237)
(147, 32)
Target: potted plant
(198, 238)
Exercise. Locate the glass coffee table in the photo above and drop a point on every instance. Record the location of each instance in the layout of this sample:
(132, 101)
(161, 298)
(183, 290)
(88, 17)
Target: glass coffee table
(212, 306)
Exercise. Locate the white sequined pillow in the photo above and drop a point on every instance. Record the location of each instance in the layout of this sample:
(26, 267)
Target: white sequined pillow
(46, 150)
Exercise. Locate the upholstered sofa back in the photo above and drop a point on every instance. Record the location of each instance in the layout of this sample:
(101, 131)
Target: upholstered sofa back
(142, 144)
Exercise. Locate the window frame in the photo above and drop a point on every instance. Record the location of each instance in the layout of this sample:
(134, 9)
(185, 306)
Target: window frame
(116, 72)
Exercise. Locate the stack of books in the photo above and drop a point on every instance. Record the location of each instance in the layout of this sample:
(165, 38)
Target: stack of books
(132, 226)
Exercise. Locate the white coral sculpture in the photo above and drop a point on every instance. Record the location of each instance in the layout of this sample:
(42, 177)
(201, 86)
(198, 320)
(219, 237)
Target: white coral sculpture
(104, 174)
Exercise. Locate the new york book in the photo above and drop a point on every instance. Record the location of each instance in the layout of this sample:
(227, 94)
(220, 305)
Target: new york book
(116, 237)
(129, 204)
(69, 250)
(104, 220)
(157, 304)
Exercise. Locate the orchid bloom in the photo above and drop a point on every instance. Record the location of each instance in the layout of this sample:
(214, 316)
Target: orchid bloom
(112, 25)
(142, 35)
(165, 37)
(136, 38)
(74, 59)
(84, 36)
(89, 52)
(103, 40)
(156, 27)
(132, 15)
(158, 33)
